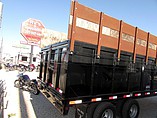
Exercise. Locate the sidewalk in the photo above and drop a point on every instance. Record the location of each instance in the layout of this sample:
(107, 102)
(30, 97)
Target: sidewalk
(22, 104)
(12, 102)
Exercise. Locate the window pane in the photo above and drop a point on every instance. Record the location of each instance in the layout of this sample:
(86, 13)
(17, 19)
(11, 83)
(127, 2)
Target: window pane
(24, 58)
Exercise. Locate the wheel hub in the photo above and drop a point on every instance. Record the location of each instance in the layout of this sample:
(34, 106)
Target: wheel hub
(108, 113)
(133, 111)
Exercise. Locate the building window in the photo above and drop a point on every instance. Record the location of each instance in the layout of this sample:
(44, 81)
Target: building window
(34, 59)
(24, 58)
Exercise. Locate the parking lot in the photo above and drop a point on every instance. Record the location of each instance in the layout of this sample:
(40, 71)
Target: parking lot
(22, 104)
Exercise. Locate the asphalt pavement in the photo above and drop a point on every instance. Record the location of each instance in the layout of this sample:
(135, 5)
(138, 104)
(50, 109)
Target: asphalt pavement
(22, 104)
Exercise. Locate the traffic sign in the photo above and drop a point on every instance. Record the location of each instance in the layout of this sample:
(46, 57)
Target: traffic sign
(31, 30)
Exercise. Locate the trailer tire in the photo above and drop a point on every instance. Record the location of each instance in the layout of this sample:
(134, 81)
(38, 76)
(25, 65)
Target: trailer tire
(130, 109)
(105, 109)
(119, 107)
(90, 110)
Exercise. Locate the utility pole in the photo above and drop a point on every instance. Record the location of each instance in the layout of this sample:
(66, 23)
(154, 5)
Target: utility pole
(31, 54)
(1, 50)
(1, 44)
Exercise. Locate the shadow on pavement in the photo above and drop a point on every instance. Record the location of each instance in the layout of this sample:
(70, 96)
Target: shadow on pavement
(44, 109)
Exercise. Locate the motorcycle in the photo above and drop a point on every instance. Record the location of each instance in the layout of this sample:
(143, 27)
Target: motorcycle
(9, 67)
(22, 68)
(25, 83)
(31, 67)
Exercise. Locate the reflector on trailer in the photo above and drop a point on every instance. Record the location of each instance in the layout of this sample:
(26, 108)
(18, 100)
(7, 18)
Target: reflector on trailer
(75, 102)
(51, 84)
(96, 99)
(60, 91)
(112, 97)
(138, 94)
(126, 96)
(147, 93)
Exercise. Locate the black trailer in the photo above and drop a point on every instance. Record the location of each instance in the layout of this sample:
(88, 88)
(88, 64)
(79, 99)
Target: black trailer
(102, 79)
(81, 78)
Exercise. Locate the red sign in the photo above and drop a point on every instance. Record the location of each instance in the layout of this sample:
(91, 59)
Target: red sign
(31, 30)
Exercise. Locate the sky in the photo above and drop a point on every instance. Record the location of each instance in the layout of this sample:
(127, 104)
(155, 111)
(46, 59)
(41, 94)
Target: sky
(54, 14)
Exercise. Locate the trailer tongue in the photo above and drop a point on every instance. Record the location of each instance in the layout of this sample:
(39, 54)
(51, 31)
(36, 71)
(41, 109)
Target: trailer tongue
(102, 68)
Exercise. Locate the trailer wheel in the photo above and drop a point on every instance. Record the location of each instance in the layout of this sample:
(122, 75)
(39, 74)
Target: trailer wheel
(90, 110)
(105, 110)
(130, 109)
(119, 107)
